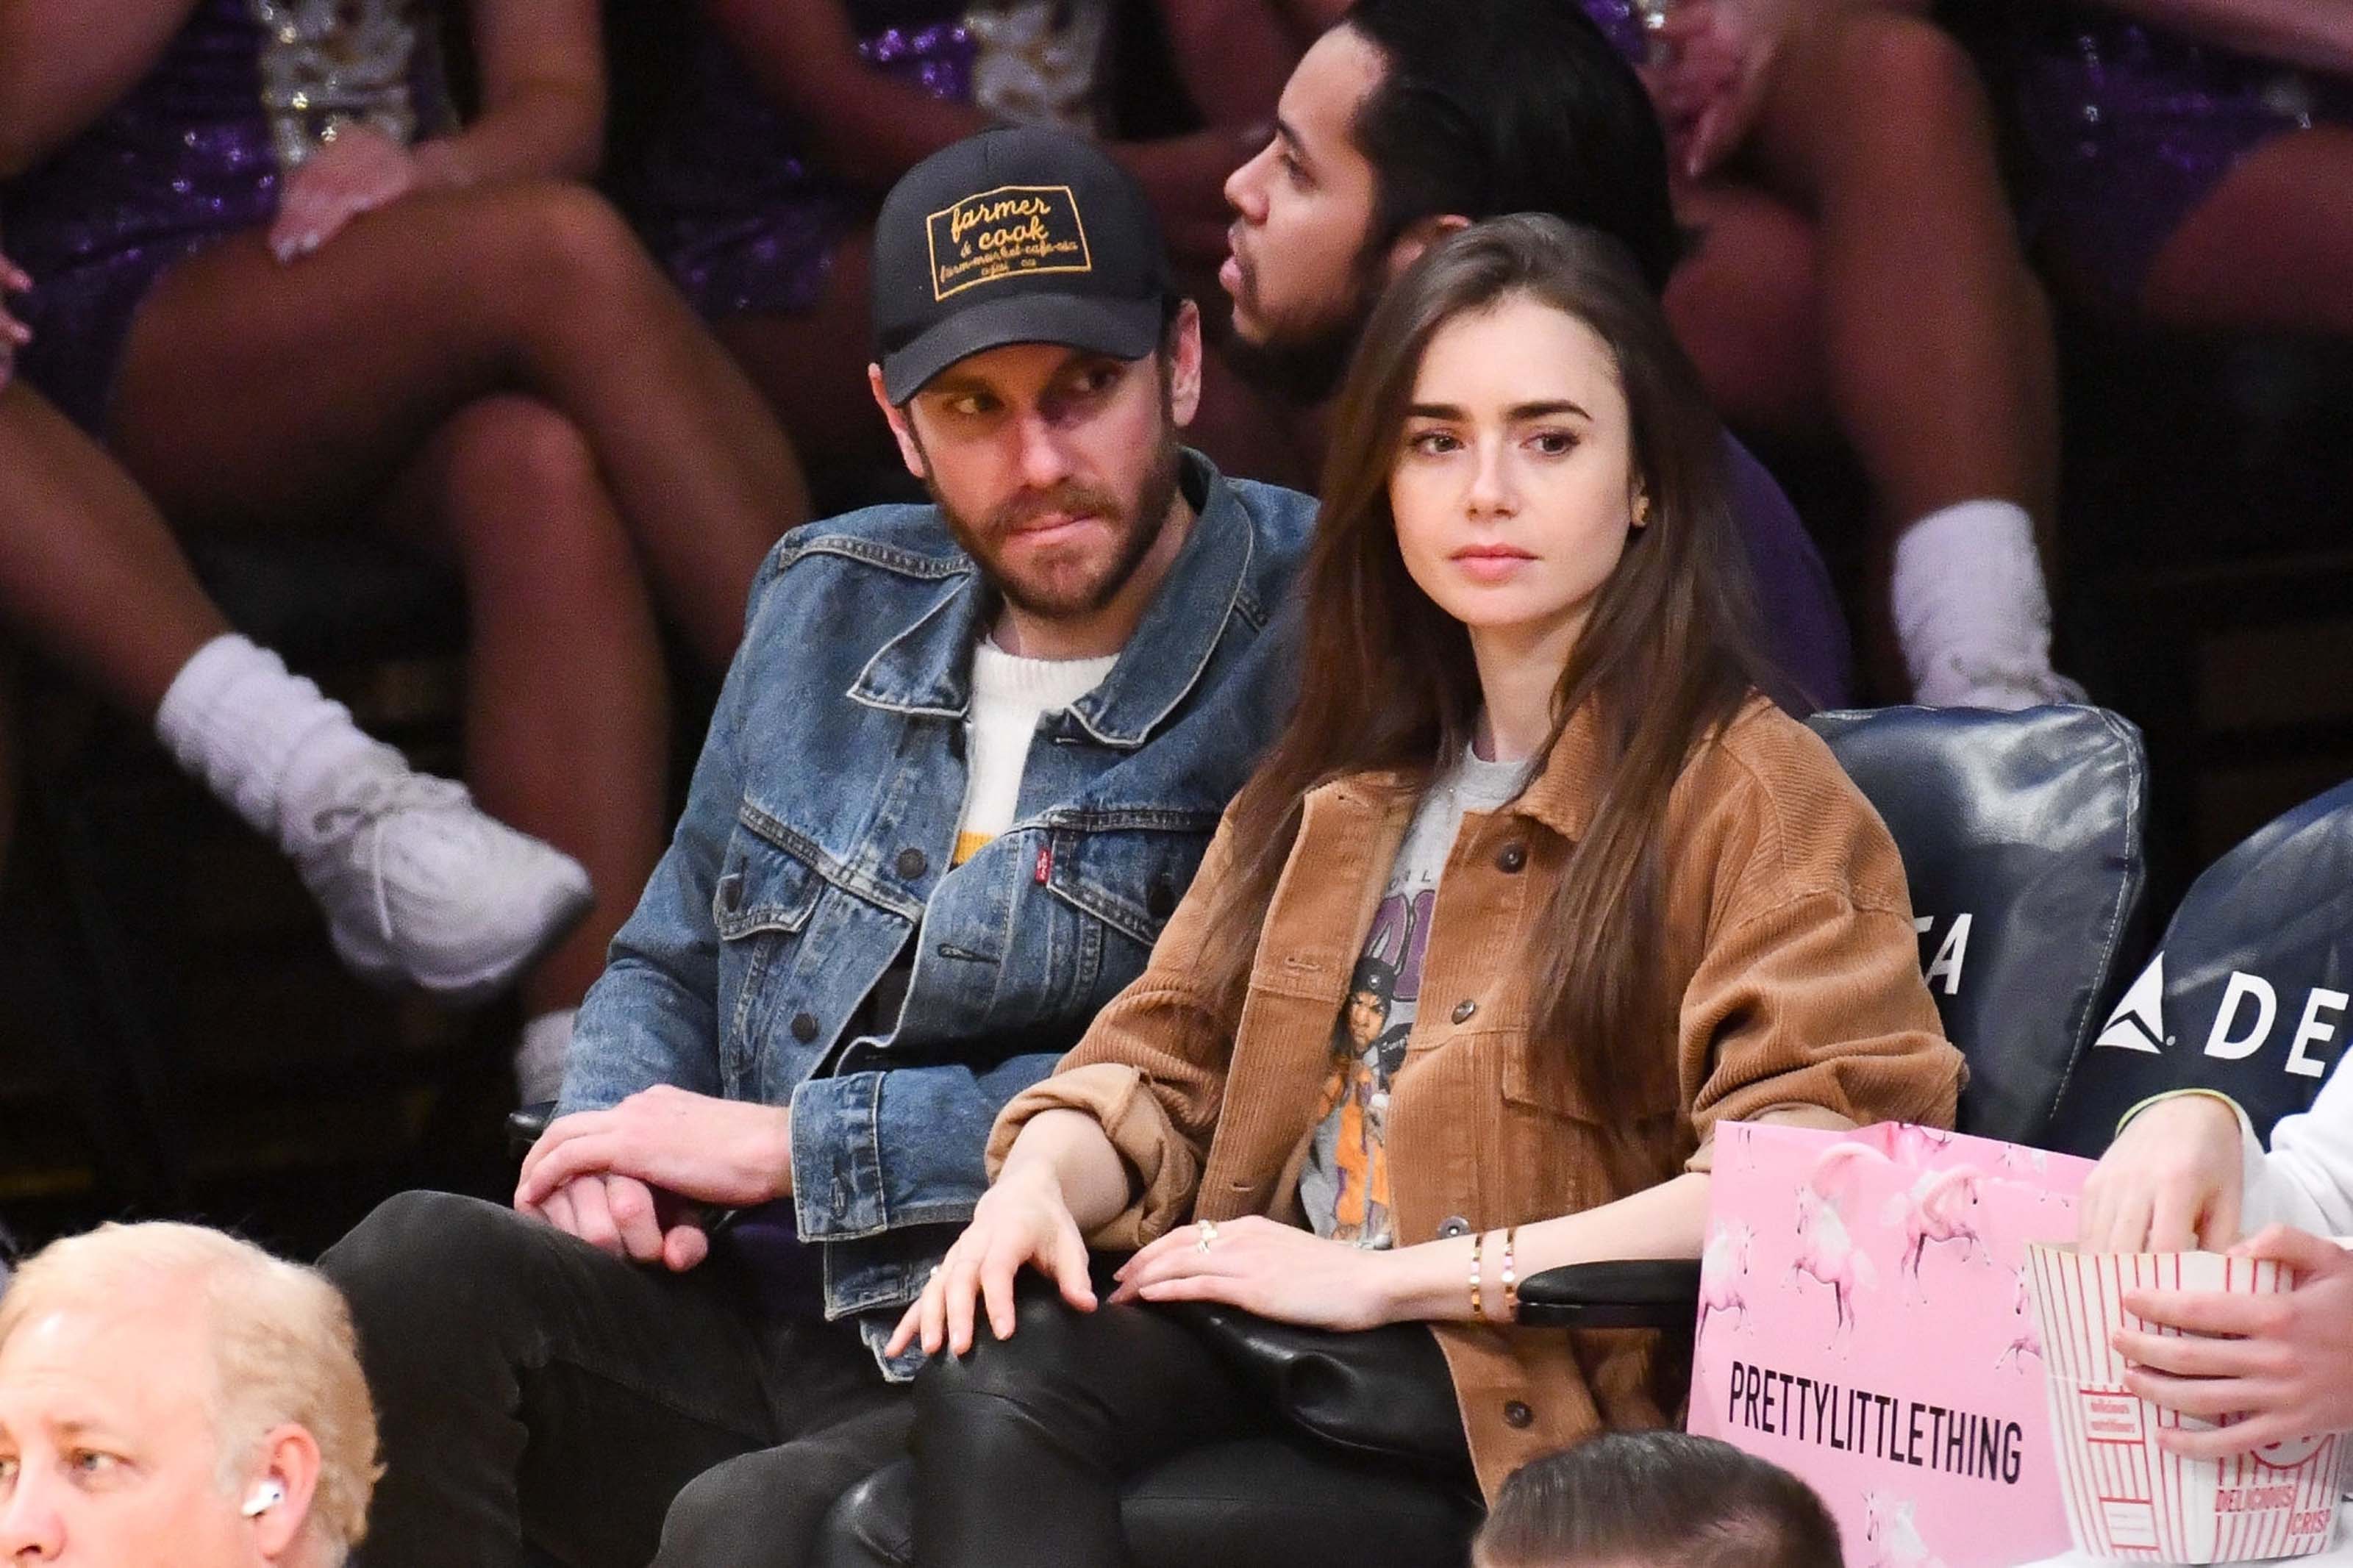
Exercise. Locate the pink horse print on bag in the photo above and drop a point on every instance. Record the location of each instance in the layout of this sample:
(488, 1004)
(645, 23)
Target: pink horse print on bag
(2027, 1338)
(1937, 1212)
(1895, 1539)
(1826, 1249)
(1724, 1273)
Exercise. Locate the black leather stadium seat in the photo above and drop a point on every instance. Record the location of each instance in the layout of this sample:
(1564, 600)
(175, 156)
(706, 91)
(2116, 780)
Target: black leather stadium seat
(2021, 841)
(2249, 991)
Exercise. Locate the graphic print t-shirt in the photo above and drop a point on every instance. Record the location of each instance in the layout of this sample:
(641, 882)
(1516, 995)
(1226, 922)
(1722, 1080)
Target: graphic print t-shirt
(1344, 1186)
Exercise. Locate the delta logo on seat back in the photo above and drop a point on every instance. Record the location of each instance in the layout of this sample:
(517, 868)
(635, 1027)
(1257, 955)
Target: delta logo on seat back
(2243, 1023)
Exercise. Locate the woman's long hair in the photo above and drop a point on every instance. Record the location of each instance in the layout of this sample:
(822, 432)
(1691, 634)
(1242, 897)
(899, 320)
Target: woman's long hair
(1388, 682)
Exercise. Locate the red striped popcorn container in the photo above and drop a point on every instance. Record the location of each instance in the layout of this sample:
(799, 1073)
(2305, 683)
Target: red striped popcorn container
(2129, 1500)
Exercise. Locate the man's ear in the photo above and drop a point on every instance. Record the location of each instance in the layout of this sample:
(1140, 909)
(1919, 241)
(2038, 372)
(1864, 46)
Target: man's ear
(902, 428)
(1185, 363)
(1419, 237)
(287, 1469)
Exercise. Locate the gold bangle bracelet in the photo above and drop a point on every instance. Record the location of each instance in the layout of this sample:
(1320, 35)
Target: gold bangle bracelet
(1511, 1280)
(1478, 1297)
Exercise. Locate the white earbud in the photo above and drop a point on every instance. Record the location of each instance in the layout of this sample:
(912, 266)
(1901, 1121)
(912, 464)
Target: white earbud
(266, 1496)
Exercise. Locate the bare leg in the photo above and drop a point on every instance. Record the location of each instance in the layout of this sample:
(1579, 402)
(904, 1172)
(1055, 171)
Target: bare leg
(88, 572)
(2271, 248)
(812, 367)
(1746, 306)
(268, 394)
(1937, 339)
(566, 711)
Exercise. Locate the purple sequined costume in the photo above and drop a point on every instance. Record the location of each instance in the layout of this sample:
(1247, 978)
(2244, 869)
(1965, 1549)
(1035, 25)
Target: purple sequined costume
(727, 191)
(2129, 128)
(193, 154)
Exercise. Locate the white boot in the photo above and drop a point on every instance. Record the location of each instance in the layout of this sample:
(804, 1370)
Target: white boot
(419, 886)
(1972, 613)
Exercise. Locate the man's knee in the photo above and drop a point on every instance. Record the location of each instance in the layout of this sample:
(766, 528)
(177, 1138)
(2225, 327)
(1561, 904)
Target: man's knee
(872, 1524)
(423, 1258)
(765, 1509)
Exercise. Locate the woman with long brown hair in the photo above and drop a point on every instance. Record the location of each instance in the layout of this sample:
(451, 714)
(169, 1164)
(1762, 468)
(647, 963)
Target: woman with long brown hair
(1534, 891)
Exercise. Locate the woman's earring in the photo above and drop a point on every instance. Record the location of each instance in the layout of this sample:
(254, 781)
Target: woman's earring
(1642, 509)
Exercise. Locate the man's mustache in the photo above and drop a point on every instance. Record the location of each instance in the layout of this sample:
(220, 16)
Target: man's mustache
(1066, 500)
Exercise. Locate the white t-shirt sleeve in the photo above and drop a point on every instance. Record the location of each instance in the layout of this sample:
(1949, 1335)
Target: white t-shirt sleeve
(2307, 1178)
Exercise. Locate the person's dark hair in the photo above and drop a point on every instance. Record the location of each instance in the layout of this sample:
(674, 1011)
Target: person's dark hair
(1489, 107)
(1667, 655)
(1658, 1498)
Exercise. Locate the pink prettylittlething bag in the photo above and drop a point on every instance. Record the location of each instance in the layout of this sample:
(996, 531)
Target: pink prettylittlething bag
(1865, 1322)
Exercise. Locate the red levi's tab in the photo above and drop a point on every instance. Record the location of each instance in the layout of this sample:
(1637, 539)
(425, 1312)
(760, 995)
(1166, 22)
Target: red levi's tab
(1045, 863)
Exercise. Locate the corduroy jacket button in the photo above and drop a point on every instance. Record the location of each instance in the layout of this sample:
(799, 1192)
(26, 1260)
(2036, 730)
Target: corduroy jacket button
(1452, 1226)
(1464, 1009)
(805, 1028)
(1517, 1415)
(913, 863)
(1513, 856)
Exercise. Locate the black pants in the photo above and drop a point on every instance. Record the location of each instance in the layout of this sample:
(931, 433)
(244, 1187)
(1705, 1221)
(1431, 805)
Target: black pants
(1023, 1447)
(530, 1388)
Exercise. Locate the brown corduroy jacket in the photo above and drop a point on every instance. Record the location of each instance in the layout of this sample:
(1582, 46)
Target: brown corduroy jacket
(1789, 941)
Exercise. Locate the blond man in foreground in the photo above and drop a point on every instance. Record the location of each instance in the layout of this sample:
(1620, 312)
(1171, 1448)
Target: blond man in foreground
(171, 1397)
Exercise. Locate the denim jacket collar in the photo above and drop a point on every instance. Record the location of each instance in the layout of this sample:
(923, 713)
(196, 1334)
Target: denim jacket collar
(927, 668)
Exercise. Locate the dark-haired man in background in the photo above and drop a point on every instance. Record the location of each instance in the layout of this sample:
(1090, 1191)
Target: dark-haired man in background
(1410, 119)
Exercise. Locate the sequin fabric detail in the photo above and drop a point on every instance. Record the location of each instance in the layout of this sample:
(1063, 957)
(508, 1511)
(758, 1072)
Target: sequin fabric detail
(1621, 22)
(185, 159)
(326, 64)
(1039, 62)
(2128, 128)
(728, 191)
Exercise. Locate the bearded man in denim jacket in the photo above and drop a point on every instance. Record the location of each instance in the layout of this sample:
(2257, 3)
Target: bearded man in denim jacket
(963, 767)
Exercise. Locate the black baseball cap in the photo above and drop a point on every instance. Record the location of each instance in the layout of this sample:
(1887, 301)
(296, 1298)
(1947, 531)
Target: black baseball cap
(1020, 236)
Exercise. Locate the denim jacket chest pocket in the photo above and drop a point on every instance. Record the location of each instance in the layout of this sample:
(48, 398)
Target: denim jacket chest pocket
(1123, 883)
(759, 906)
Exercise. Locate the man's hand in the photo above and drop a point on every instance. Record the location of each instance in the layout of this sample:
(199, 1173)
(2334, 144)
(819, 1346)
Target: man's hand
(360, 171)
(706, 1151)
(2283, 1371)
(1265, 1266)
(623, 1217)
(2170, 1182)
(13, 333)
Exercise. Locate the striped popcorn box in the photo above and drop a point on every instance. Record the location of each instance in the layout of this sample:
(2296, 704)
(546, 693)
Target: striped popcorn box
(2127, 1498)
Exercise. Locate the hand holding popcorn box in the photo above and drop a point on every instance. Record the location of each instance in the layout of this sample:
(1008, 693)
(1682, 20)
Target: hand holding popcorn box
(2127, 1498)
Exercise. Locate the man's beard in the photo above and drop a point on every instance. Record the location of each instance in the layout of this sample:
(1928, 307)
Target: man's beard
(1303, 366)
(1139, 520)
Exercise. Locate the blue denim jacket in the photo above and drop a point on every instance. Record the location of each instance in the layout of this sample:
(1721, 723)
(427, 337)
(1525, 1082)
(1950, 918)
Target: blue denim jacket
(815, 842)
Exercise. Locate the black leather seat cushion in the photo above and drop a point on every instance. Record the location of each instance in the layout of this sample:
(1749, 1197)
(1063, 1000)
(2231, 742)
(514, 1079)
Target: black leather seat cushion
(2021, 837)
(2248, 991)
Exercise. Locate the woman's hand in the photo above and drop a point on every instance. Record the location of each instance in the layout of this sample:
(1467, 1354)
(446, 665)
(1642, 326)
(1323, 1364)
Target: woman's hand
(361, 170)
(1024, 1218)
(2283, 1371)
(1720, 57)
(13, 333)
(2170, 1182)
(1262, 1266)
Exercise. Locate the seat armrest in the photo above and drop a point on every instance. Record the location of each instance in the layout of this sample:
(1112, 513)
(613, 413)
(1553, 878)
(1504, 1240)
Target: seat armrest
(1626, 1293)
(525, 1126)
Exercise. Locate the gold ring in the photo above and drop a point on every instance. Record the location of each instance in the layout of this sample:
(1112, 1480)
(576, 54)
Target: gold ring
(1209, 1235)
